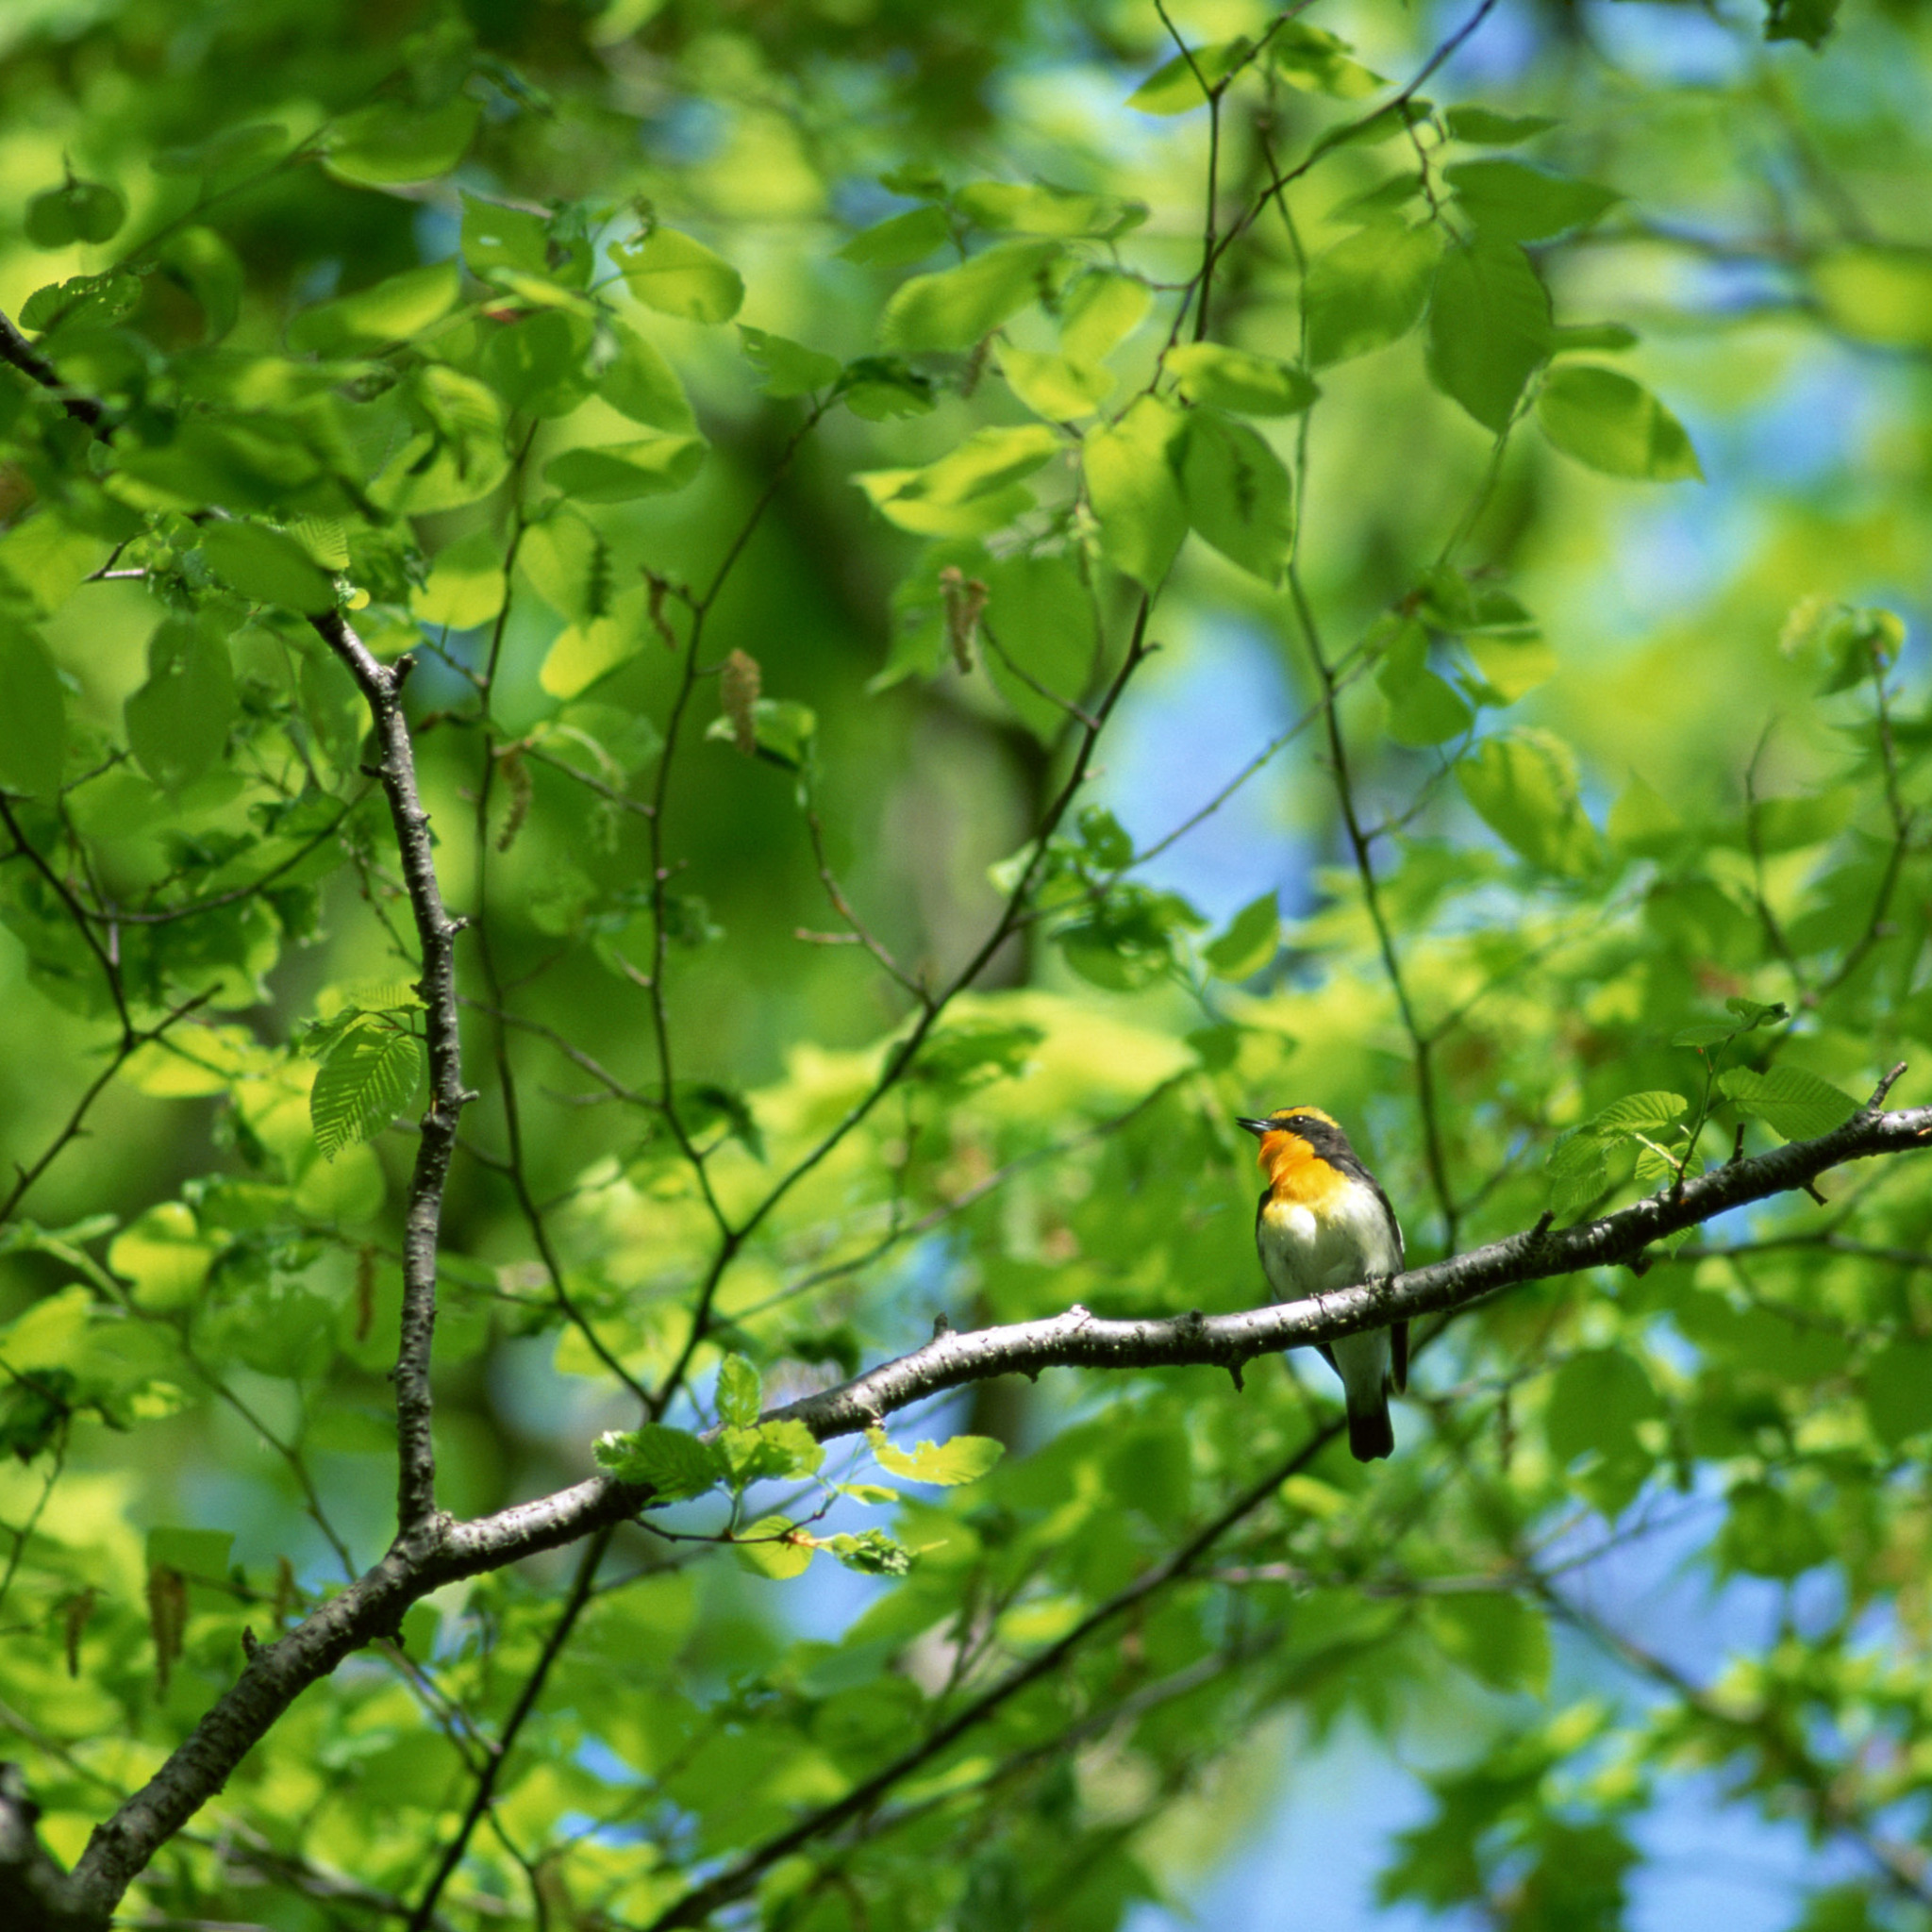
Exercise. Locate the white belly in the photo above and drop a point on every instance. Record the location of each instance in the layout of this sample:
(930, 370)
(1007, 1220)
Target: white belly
(1303, 1256)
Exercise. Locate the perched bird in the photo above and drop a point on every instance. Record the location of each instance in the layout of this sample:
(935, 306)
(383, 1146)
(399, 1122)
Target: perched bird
(1324, 1223)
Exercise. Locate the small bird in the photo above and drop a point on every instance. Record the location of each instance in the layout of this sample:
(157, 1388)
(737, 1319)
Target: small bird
(1324, 1223)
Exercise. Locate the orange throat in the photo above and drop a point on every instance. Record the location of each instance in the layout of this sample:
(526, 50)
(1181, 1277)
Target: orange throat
(1296, 1174)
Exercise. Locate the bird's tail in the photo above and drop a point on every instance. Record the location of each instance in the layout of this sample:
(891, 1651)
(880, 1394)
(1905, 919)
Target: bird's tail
(1371, 1433)
(1363, 1363)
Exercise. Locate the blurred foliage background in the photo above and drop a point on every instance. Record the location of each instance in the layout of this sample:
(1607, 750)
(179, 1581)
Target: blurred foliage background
(1530, 771)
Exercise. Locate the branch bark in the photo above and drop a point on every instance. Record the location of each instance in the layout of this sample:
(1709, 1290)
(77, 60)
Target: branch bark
(436, 934)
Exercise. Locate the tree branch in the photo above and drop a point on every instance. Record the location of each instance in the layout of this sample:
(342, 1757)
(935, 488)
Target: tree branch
(436, 932)
(1079, 1339)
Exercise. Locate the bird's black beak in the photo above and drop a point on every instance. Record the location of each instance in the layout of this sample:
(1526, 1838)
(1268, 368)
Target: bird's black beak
(1252, 1126)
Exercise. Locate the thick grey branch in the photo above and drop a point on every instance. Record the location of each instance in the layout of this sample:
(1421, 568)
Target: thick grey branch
(435, 933)
(1078, 1340)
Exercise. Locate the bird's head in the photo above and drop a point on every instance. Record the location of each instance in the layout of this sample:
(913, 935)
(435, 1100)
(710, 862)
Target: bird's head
(1294, 1132)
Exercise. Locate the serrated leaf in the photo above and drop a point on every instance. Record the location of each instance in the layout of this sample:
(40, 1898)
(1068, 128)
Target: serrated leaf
(390, 142)
(621, 472)
(676, 275)
(33, 720)
(788, 368)
(1135, 495)
(768, 1451)
(466, 585)
(741, 1392)
(1175, 87)
(1514, 202)
(1234, 379)
(1055, 387)
(177, 722)
(676, 1464)
(1523, 784)
(266, 565)
(871, 1552)
(1251, 940)
(774, 1546)
(1489, 328)
(958, 307)
(1639, 1112)
(963, 1460)
(366, 1080)
(1794, 1103)
(1237, 493)
(1605, 420)
(899, 241)
(1368, 291)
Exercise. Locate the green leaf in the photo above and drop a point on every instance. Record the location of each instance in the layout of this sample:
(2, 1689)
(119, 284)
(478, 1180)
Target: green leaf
(1498, 1638)
(1793, 1103)
(504, 238)
(1876, 295)
(1134, 495)
(1237, 493)
(676, 275)
(782, 729)
(1008, 207)
(1043, 618)
(638, 382)
(1614, 425)
(536, 363)
(1596, 1402)
(1510, 201)
(769, 1452)
(1176, 87)
(1055, 387)
(1489, 328)
(568, 565)
(380, 145)
(33, 720)
(1524, 786)
(1233, 380)
(1423, 708)
(1483, 129)
(364, 1083)
(619, 472)
(177, 722)
(675, 1464)
(593, 647)
(234, 147)
(968, 492)
(395, 310)
(1810, 21)
(164, 1255)
(958, 306)
(1249, 942)
(899, 241)
(1898, 1389)
(1317, 62)
(788, 368)
(466, 585)
(775, 1546)
(1368, 291)
(963, 1460)
(871, 1552)
(741, 1392)
(267, 566)
(1642, 822)
(1638, 1113)
(80, 212)
(1099, 309)
(881, 387)
(961, 1060)
(1766, 1534)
